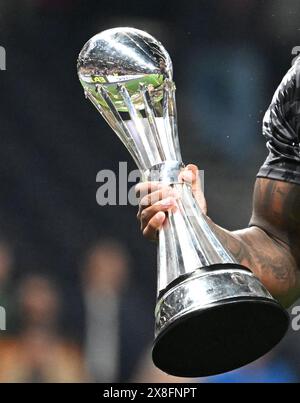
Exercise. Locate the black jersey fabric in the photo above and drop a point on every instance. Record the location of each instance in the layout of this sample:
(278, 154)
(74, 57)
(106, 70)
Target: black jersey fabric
(281, 127)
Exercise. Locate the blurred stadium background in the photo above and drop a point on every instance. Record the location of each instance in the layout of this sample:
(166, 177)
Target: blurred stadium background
(77, 280)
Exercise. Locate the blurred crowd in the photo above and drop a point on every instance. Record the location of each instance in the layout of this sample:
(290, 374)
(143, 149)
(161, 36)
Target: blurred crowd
(77, 280)
(116, 347)
(118, 329)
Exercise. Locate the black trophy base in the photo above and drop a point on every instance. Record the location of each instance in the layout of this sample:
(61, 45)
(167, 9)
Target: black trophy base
(219, 337)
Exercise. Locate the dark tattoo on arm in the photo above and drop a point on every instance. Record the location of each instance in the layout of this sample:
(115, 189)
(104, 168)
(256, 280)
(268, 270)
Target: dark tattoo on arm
(270, 246)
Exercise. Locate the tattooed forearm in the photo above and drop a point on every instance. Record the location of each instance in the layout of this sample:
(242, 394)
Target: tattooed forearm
(276, 208)
(270, 247)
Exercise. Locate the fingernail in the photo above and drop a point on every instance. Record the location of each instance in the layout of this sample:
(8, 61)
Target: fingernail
(160, 216)
(188, 176)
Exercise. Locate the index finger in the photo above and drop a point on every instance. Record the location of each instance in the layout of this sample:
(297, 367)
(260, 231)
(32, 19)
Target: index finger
(144, 188)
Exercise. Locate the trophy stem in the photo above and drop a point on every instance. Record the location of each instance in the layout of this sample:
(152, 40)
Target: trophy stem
(151, 120)
(113, 118)
(170, 118)
(150, 152)
(186, 241)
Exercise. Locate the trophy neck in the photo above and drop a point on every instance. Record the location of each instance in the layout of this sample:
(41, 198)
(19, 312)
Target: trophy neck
(167, 172)
(146, 126)
(155, 143)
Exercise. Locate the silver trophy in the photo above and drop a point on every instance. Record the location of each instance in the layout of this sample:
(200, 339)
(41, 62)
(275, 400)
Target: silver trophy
(212, 314)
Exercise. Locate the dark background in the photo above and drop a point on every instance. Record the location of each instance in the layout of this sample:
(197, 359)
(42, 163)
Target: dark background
(228, 57)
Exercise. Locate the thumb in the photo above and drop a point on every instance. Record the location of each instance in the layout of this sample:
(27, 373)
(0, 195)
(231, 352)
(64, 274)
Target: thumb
(190, 174)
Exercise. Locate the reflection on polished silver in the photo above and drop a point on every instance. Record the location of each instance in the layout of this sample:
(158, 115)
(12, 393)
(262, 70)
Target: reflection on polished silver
(202, 289)
(128, 76)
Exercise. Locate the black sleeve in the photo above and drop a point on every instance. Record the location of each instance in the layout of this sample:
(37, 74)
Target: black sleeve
(281, 128)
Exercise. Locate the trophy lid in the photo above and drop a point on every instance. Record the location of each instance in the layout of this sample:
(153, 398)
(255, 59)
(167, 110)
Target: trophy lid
(126, 56)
